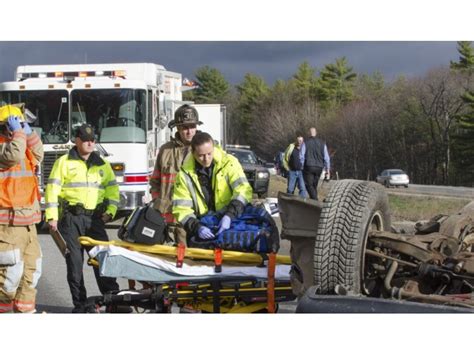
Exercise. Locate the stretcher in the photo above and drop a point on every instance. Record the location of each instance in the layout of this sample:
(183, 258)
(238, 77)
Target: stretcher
(197, 280)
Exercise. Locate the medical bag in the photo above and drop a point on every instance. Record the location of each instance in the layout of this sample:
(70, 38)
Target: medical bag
(144, 226)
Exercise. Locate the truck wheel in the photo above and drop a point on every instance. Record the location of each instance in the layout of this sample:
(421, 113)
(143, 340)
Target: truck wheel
(351, 209)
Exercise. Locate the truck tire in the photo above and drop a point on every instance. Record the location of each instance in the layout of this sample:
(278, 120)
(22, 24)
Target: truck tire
(350, 210)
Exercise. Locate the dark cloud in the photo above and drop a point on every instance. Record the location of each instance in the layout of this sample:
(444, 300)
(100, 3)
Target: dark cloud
(271, 60)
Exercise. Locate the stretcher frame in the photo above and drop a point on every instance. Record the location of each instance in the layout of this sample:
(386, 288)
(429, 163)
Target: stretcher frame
(217, 294)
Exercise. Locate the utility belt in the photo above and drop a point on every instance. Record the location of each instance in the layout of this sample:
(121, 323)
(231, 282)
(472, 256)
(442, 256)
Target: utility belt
(79, 209)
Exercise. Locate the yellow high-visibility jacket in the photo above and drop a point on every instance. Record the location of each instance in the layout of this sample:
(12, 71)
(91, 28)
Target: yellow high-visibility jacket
(287, 155)
(228, 183)
(75, 182)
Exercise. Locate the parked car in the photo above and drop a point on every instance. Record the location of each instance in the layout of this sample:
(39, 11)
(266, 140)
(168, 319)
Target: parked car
(257, 174)
(393, 177)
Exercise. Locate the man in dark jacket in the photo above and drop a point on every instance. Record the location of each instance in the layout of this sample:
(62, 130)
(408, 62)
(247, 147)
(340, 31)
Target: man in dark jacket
(293, 162)
(316, 160)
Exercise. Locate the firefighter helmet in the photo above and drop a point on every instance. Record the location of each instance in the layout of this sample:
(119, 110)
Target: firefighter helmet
(184, 115)
(10, 110)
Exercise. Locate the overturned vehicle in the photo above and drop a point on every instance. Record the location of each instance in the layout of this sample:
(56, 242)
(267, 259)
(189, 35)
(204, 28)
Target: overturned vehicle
(347, 257)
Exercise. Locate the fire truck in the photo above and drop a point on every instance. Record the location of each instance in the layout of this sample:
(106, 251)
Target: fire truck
(129, 105)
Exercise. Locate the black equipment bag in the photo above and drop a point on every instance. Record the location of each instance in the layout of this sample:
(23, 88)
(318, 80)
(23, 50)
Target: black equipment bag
(144, 226)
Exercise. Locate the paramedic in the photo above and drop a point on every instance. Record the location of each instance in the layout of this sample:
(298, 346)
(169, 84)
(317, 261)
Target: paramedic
(170, 158)
(81, 196)
(20, 253)
(209, 180)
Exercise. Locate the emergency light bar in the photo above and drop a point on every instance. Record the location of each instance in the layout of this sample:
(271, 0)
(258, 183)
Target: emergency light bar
(74, 74)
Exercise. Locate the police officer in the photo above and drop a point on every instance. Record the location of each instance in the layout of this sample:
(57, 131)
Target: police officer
(20, 253)
(81, 196)
(170, 158)
(209, 180)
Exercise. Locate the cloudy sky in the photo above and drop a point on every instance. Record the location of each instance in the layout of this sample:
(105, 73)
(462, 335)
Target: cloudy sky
(271, 60)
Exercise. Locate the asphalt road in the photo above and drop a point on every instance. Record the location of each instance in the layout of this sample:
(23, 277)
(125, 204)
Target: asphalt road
(53, 291)
(433, 190)
(429, 190)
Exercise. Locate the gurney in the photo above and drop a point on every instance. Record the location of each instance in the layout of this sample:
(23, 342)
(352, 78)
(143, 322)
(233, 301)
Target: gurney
(216, 281)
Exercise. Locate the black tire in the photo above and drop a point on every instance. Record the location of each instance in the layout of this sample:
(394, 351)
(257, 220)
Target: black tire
(387, 184)
(350, 210)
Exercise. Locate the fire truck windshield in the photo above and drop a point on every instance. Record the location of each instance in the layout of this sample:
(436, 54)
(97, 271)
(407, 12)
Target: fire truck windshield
(118, 115)
(50, 108)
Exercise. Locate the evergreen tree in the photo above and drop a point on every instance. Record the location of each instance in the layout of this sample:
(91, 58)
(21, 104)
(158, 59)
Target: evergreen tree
(336, 83)
(251, 91)
(213, 87)
(466, 58)
(463, 145)
(370, 84)
(304, 80)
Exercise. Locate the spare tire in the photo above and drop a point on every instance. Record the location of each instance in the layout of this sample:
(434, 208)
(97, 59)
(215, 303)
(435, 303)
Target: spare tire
(350, 210)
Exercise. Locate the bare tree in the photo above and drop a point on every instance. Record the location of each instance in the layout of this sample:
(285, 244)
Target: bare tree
(439, 96)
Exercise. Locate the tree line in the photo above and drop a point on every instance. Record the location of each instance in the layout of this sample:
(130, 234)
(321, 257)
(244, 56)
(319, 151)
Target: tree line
(423, 125)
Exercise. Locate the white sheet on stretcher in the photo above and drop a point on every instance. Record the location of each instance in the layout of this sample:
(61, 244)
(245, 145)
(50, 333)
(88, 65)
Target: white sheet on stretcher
(120, 262)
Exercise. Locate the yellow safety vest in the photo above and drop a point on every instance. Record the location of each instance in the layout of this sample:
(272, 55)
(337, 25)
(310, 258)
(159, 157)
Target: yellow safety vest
(72, 181)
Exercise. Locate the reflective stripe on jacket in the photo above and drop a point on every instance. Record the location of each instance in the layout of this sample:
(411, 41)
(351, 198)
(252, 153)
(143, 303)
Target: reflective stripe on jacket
(228, 182)
(73, 181)
(19, 194)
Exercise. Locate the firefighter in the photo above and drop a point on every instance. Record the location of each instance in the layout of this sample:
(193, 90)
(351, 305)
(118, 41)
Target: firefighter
(81, 196)
(20, 253)
(170, 158)
(209, 180)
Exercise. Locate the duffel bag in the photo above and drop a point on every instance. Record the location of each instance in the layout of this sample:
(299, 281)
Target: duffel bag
(254, 231)
(144, 226)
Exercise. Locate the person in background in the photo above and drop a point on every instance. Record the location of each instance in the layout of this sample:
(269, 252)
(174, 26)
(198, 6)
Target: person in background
(316, 159)
(293, 162)
(21, 151)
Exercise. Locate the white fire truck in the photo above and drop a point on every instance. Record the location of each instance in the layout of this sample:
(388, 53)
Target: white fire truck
(129, 105)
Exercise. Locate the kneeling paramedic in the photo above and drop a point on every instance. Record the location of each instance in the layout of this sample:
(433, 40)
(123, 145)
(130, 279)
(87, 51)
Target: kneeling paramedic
(209, 180)
(81, 196)
(20, 253)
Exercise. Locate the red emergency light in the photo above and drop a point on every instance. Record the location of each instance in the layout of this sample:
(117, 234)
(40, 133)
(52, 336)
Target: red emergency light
(135, 179)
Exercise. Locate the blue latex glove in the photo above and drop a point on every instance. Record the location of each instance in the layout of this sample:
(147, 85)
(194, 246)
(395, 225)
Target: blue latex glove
(205, 233)
(13, 123)
(224, 224)
(26, 128)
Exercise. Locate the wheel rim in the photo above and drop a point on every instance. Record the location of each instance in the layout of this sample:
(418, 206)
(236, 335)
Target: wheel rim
(368, 283)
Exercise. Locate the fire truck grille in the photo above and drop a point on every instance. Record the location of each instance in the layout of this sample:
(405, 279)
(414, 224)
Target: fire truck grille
(47, 165)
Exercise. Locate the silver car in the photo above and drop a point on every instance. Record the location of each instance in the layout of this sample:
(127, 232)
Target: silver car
(393, 177)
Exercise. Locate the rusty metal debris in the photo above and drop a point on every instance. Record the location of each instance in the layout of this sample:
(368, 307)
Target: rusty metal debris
(435, 267)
